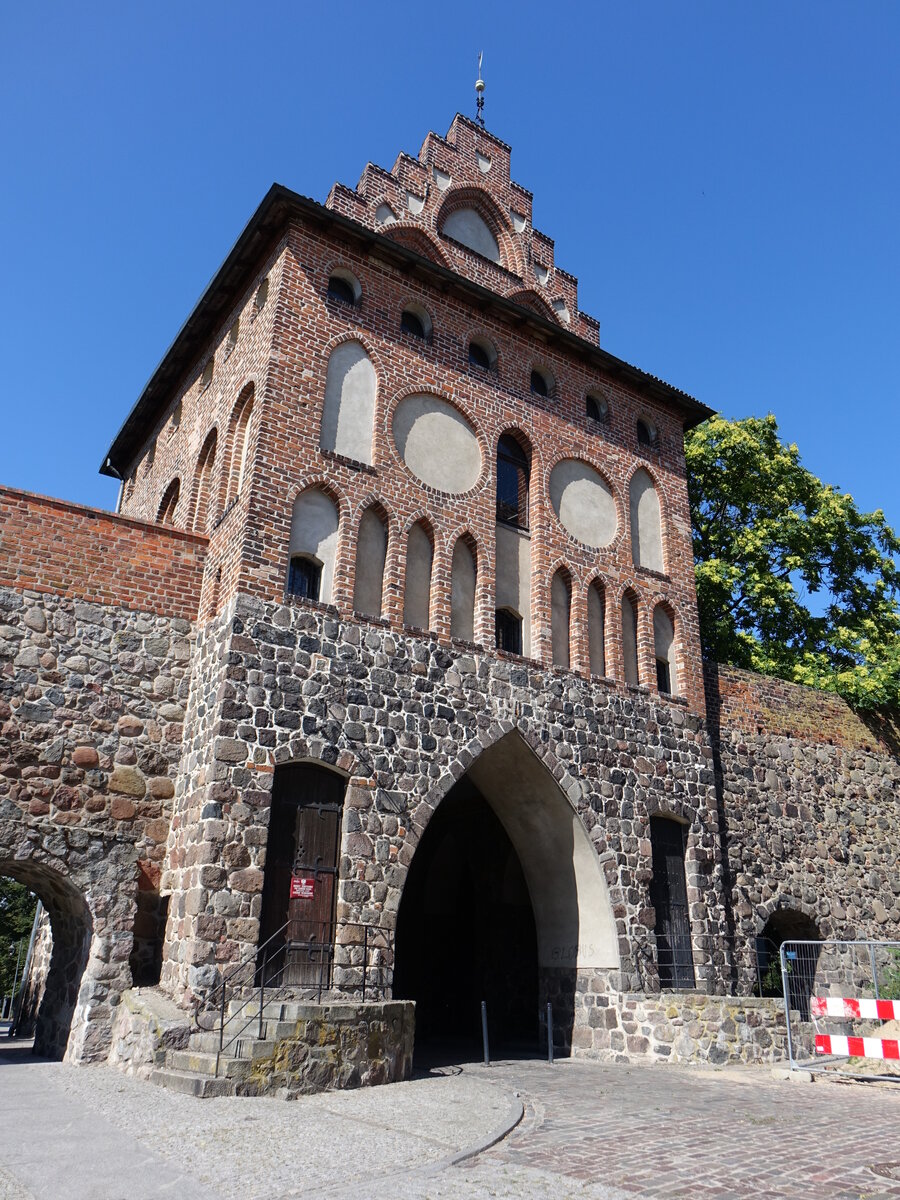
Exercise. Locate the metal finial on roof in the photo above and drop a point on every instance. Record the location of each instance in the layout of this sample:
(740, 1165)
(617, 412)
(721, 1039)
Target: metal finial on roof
(479, 92)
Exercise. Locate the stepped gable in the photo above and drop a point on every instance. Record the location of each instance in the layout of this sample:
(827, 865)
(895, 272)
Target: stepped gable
(457, 205)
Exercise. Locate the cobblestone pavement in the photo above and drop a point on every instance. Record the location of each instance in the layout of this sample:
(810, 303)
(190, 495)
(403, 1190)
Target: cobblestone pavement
(669, 1131)
(591, 1131)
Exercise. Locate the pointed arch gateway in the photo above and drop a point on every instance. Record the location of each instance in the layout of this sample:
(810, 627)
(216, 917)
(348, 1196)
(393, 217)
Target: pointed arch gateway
(505, 901)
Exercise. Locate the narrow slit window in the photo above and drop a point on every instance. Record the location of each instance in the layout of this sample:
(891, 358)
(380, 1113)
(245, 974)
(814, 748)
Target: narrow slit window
(512, 483)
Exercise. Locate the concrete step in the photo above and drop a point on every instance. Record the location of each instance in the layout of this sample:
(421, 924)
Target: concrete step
(197, 1063)
(202, 1086)
(205, 1043)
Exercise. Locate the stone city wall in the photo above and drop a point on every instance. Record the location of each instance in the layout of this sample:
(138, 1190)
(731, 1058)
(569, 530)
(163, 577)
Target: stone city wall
(91, 714)
(810, 798)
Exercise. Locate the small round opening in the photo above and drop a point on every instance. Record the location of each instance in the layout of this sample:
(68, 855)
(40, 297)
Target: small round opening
(415, 321)
(646, 435)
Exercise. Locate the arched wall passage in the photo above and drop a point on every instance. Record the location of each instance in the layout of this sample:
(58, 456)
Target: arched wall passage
(572, 908)
(72, 928)
(574, 928)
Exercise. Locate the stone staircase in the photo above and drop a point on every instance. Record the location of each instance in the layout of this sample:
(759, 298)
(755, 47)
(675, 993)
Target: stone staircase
(299, 1047)
(193, 1070)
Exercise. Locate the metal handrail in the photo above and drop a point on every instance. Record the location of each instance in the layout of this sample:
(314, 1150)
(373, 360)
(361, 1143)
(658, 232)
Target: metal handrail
(261, 958)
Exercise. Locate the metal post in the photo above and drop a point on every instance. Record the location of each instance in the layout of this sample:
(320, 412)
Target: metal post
(549, 1033)
(874, 970)
(787, 1004)
(365, 958)
(222, 1018)
(484, 1033)
(262, 993)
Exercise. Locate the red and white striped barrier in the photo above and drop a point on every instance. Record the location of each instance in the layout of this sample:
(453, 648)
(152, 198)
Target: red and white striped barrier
(869, 1010)
(858, 1047)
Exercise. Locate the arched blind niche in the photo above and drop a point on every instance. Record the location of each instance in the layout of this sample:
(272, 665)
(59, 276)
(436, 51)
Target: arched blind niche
(417, 593)
(664, 650)
(203, 483)
(561, 609)
(240, 441)
(462, 592)
(646, 522)
(630, 638)
(470, 229)
(314, 536)
(168, 504)
(597, 628)
(371, 553)
(512, 601)
(348, 413)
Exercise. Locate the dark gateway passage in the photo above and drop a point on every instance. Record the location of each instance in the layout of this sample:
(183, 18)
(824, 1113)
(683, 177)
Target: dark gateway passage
(466, 933)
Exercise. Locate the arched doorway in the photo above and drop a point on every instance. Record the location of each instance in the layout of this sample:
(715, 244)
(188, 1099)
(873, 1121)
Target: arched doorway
(297, 926)
(71, 928)
(788, 925)
(505, 901)
(466, 931)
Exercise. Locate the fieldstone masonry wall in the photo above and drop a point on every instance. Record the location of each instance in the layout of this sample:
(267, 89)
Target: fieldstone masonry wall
(91, 713)
(811, 803)
(404, 717)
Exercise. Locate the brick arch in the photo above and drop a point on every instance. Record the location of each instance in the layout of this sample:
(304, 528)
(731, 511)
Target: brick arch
(781, 902)
(423, 517)
(421, 241)
(482, 557)
(478, 333)
(500, 225)
(354, 335)
(203, 489)
(237, 439)
(322, 483)
(573, 894)
(533, 300)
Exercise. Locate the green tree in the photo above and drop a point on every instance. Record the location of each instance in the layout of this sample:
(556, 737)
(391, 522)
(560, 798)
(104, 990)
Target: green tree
(792, 579)
(17, 907)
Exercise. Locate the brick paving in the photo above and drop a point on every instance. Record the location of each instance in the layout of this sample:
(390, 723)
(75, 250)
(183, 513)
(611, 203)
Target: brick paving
(666, 1131)
(591, 1131)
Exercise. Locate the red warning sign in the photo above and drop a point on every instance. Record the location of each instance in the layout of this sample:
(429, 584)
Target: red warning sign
(303, 887)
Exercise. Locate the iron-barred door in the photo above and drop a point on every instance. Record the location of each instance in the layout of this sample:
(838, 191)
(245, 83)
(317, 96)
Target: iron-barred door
(668, 894)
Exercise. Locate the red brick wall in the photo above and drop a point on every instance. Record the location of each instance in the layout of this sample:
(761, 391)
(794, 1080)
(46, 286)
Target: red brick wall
(760, 705)
(283, 351)
(87, 554)
(288, 457)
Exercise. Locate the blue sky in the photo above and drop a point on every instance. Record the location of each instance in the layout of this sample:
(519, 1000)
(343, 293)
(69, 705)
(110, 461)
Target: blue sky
(723, 178)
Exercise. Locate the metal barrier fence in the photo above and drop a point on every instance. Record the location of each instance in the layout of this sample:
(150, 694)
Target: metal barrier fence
(842, 1006)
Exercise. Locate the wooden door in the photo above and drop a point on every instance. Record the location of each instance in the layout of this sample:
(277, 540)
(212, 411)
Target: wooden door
(300, 891)
(668, 895)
